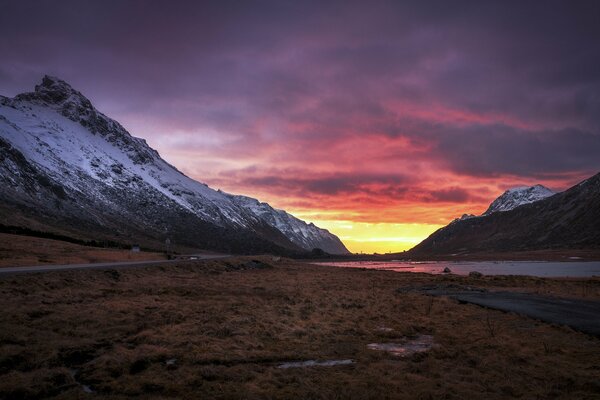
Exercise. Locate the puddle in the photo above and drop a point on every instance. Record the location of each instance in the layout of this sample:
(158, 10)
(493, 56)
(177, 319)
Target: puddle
(171, 363)
(85, 388)
(384, 329)
(314, 363)
(419, 345)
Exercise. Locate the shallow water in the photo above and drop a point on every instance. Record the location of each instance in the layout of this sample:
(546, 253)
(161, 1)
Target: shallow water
(314, 363)
(532, 268)
(419, 345)
(85, 388)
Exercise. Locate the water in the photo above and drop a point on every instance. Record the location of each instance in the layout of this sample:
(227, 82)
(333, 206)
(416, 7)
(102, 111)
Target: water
(532, 268)
(314, 363)
(86, 389)
(418, 345)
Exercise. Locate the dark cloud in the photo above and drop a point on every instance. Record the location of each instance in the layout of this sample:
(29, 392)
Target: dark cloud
(450, 195)
(334, 185)
(489, 150)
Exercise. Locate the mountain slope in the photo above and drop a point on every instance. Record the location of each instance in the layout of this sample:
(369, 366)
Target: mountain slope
(307, 236)
(67, 167)
(566, 220)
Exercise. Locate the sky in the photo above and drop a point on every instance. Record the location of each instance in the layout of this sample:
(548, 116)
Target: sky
(380, 121)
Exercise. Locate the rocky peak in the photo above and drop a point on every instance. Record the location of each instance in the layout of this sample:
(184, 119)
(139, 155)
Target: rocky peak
(58, 95)
(54, 85)
(515, 197)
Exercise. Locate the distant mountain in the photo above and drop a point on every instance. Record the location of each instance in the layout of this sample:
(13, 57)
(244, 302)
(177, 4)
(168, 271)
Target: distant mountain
(67, 168)
(566, 220)
(518, 196)
(512, 199)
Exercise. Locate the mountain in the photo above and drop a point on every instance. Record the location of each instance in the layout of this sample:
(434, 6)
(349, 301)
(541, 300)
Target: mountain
(67, 168)
(566, 220)
(512, 199)
(518, 196)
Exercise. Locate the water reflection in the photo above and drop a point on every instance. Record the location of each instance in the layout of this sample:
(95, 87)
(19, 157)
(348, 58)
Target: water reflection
(533, 268)
(420, 344)
(314, 363)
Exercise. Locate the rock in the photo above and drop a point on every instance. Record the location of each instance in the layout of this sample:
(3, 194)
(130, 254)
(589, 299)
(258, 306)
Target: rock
(475, 274)
(171, 363)
(314, 363)
(447, 270)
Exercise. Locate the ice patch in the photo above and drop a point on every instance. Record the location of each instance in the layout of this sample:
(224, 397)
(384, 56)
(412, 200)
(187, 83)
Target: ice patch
(314, 363)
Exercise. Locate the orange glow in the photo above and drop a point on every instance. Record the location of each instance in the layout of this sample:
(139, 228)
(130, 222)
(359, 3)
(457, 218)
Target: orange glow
(364, 237)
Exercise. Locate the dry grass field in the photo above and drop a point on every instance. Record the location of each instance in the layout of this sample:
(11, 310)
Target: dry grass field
(18, 251)
(220, 329)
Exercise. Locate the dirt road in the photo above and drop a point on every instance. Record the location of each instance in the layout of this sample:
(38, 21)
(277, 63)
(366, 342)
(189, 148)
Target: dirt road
(120, 264)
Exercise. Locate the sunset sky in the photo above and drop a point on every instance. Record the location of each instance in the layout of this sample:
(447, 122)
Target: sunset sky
(376, 120)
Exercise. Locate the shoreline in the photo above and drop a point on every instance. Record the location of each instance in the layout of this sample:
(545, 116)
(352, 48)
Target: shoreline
(537, 255)
(538, 269)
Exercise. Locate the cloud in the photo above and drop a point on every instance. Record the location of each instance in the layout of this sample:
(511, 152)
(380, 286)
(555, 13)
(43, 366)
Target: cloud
(451, 195)
(498, 149)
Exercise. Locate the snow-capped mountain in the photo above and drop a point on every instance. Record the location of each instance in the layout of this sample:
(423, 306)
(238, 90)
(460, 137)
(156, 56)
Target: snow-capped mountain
(565, 220)
(518, 196)
(66, 164)
(512, 198)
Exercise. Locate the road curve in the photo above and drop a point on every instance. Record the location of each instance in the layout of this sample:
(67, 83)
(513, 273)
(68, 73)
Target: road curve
(582, 315)
(119, 264)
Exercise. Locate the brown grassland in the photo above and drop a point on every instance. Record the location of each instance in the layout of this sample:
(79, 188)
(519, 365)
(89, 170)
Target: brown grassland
(18, 251)
(219, 329)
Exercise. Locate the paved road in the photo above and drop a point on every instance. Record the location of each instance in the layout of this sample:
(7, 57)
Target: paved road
(120, 264)
(581, 315)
